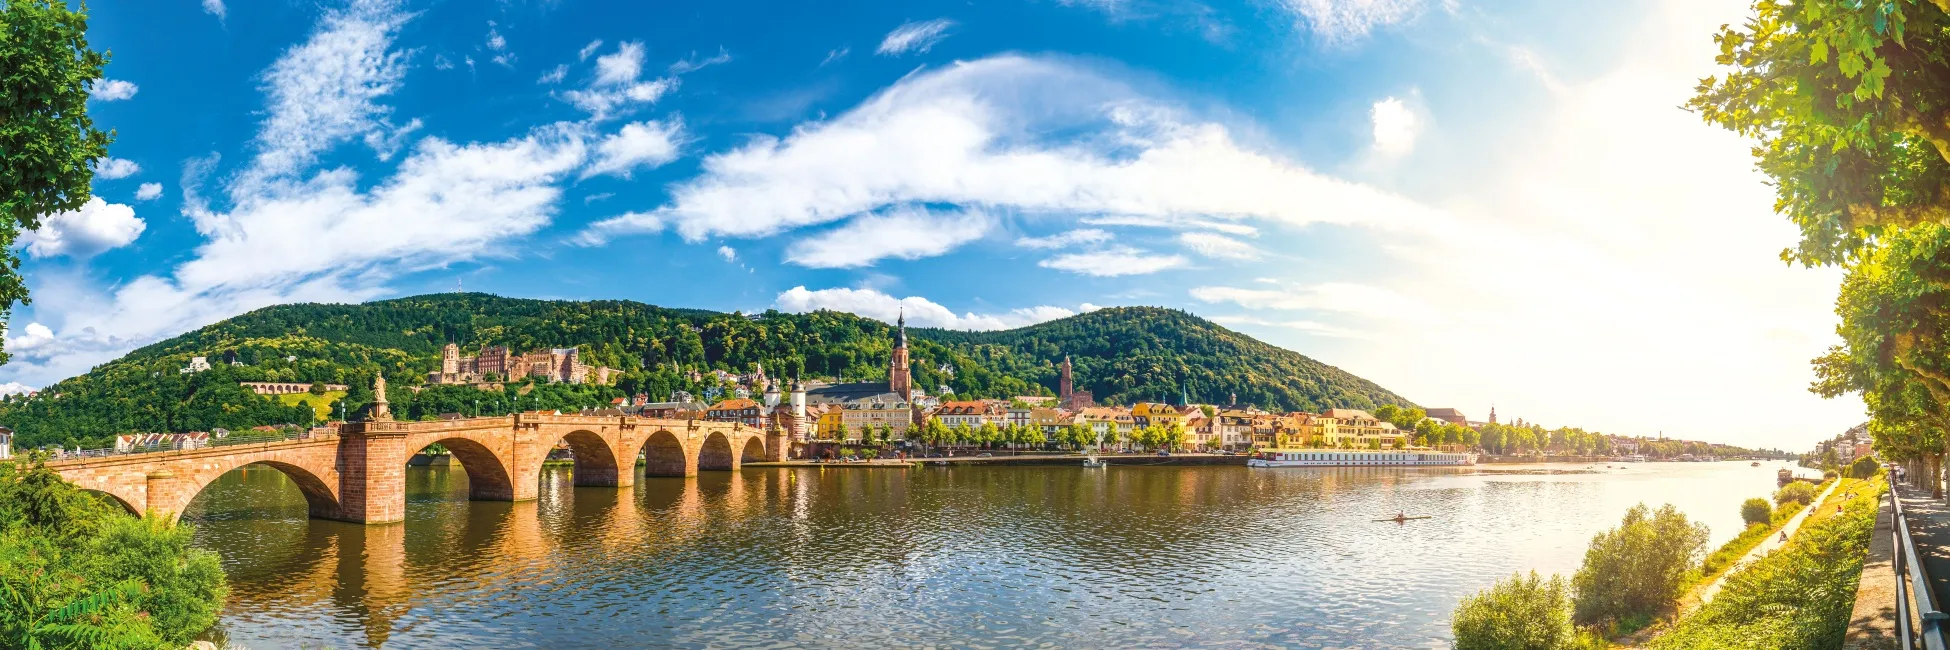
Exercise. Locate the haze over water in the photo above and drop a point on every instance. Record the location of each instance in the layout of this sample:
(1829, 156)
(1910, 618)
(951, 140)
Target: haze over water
(961, 557)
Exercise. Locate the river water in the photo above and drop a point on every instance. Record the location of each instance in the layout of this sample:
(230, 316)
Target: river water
(948, 557)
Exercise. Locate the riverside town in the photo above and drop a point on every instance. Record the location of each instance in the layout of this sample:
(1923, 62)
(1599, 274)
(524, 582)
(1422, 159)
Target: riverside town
(1313, 324)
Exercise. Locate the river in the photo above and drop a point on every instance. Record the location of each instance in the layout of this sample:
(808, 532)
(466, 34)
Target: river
(947, 557)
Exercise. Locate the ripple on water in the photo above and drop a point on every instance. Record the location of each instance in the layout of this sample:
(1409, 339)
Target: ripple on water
(952, 558)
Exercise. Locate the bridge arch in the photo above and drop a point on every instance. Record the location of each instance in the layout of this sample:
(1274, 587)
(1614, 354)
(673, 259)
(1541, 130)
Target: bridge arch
(596, 462)
(664, 455)
(114, 498)
(488, 476)
(321, 494)
(754, 450)
(716, 452)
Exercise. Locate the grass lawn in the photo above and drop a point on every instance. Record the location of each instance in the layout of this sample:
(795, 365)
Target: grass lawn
(320, 404)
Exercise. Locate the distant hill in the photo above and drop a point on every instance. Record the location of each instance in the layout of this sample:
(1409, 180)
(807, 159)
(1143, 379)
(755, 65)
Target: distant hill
(1121, 354)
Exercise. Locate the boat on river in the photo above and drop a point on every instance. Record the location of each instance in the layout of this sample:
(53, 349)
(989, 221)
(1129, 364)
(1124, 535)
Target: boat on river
(1358, 458)
(1095, 462)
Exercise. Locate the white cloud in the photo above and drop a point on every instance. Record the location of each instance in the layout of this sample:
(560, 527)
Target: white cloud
(38, 336)
(114, 168)
(616, 83)
(905, 233)
(622, 66)
(728, 253)
(554, 75)
(96, 227)
(111, 90)
(1340, 21)
(1175, 223)
(978, 134)
(1113, 262)
(495, 41)
(1339, 297)
(835, 55)
(583, 54)
(1395, 127)
(148, 192)
(441, 62)
(323, 91)
(919, 311)
(15, 388)
(1079, 237)
(640, 144)
(602, 230)
(916, 36)
(693, 64)
(215, 8)
(1218, 246)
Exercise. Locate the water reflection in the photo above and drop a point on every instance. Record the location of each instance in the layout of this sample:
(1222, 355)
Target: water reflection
(1129, 557)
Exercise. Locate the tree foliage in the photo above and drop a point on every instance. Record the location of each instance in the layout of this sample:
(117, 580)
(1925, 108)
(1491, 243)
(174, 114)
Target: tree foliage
(1756, 511)
(1637, 569)
(1517, 613)
(77, 572)
(47, 140)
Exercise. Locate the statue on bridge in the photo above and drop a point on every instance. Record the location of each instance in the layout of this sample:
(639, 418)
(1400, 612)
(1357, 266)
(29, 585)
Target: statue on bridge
(380, 411)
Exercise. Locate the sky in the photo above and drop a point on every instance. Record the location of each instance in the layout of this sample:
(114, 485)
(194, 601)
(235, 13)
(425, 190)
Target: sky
(1474, 204)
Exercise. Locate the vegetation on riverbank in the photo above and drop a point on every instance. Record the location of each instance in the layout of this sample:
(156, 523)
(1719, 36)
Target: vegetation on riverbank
(78, 572)
(1800, 596)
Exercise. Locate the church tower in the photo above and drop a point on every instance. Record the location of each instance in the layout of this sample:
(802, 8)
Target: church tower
(1492, 414)
(898, 378)
(1063, 386)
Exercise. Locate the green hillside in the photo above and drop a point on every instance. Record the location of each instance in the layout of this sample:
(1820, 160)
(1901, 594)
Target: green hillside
(1121, 355)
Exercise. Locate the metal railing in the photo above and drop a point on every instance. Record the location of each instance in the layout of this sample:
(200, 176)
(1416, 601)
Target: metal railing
(1929, 618)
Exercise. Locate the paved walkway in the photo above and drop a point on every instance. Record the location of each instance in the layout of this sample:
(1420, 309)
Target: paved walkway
(1772, 542)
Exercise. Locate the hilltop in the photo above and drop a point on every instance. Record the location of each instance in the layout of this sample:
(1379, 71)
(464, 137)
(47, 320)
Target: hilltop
(1120, 354)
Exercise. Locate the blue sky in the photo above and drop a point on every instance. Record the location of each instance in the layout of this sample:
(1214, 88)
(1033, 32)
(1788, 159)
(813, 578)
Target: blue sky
(1471, 203)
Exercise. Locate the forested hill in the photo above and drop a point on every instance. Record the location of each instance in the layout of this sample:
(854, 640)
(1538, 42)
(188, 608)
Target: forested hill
(1120, 354)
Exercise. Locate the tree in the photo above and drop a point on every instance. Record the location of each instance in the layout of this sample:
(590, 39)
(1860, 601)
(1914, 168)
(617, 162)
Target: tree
(1756, 511)
(1638, 568)
(49, 140)
(1846, 101)
(316, 388)
(1517, 613)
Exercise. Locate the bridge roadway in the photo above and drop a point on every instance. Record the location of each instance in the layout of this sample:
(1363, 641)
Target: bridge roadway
(359, 475)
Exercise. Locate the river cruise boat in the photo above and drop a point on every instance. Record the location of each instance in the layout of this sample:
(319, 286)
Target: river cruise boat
(1357, 458)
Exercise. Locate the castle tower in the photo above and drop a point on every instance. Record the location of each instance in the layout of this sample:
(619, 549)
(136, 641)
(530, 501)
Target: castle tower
(771, 395)
(898, 378)
(450, 359)
(1064, 387)
(1492, 414)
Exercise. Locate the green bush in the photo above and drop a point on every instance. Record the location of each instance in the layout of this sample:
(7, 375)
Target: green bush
(1637, 569)
(77, 572)
(1734, 549)
(1756, 511)
(1798, 492)
(1827, 475)
(1517, 613)
(1864, 468)
(1798, 597)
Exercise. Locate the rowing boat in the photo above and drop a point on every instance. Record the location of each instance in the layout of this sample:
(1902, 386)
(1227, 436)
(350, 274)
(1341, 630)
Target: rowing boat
(1407, 518)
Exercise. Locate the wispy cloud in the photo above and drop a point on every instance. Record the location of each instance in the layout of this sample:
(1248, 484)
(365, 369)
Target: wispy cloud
(642, 144)
(1069, 238)
(835, 55)
(692, 64)
(919, 311)
(1218, 246)
(554, 75)
(215, 8)
(914, 37)
(1113, 262)
(1342, 21)
(904, 233)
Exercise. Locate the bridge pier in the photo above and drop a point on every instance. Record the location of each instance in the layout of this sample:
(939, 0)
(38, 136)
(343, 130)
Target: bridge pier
(372, 487)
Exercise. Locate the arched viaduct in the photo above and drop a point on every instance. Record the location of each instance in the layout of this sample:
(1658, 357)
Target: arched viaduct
(359, 475)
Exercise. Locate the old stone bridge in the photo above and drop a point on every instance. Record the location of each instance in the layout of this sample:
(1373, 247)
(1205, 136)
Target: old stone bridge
(359, 475)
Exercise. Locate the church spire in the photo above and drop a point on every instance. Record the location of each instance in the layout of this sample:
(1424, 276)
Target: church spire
(900, 329)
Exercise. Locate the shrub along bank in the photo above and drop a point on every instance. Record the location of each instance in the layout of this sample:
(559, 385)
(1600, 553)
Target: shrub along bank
(1798, 597)
(78, 572)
